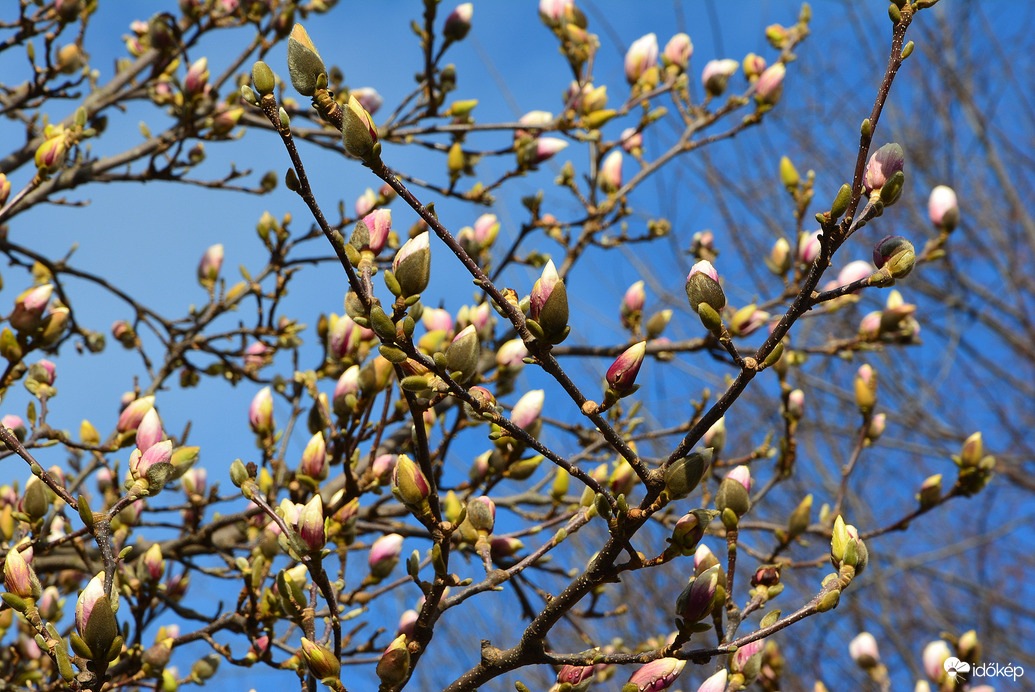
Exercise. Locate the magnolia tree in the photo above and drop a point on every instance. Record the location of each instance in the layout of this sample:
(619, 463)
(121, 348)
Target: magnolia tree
(473, 487)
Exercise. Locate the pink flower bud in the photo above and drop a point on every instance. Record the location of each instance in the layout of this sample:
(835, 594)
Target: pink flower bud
(641, 56)
(633, 301)
(631, 140)
(897, 253)
(578, 677)
(368, 98)
(481, 512)
(407, 621)
(621, 376)
(149, 432)
(748, 660)
(678, 51)
(310, 525)
(485, 230)
(347, 384)
(133, 414)
(29, 307)
(209, 266)
(943, 209)
(366, 202)
(934, 657)
(754, 65)
(342, 336)
(255, 355)
(716, 683)
(528, 408)
(379, 225)
(854, 271)
(611, 172)
(702, 286)
(657, 675)
(410, 486)
(412, 265)
(49, 371)
(5, 189)
(153, 563)
(883, 164)
(542, 289)
(197, 78)
(741, 474)
(314, 458)
(16, 425)
(194, 480)
(863, 650)
(554, 12)
(700, 596)
(458, 23)
(716, 74)
(51, 153)
(359, 134)
(547, 147)
(260, 413)
(383, 467)
(796, 404)
(770, 84)
(511, 354)
(140, 462)
(19, 577)
(384, 555)
(809, 247)
(437, 319)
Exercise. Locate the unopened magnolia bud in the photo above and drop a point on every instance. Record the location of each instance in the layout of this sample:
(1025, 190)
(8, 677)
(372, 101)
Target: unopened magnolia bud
(458, 23)
(897, 253)
(412, 265)
(394, 666)
(410, 486)
(683, 475)
(262, 78)
(865, 388)
(359, 135)
(883, 164)
(702, 286)
(304, 64)
(548, 305)
(942, 208)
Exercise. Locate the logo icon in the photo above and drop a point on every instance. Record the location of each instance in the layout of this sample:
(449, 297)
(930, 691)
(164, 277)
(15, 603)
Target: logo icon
(956, 668)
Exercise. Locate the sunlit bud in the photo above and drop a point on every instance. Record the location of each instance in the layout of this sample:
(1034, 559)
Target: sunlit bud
(715, 436)
(689, 530)
(304, 63)
(343, 336)
(314, 458)
(29, 307)
(846, 548)
(19, 577)
(384, 554)
(458, 23)
(548, 305)
(748, 660)
(369, 98)
(677, 52)
(149, 432)
(754, 65)
(481, 512)
(969, 647)
(716, 683)
(152, 562)
(854, 271)
(511, 354)
(870, 325)
(593, 98)
(260, 413)
(379, 225)
(700, 596)
(748, 319)
(863, 650)
(865, 388)
(716, 74)
(504, 546)
(770, 84)
(631, 140)
(633, 301)
(611, 172)
(934, 657)
(897, 253)
(547, 147)
(5, 189)
(809, 247)
(877, 425)
(16, 425)
(412, 265)
(657, 675)
(555, 12)
(348, 384)
(51, 153)
(641, 56)
(621, 376)
(366, 202)
(134, 413)
(683, 475)
(972, 452)
(704, 559)
(321, 663)
(733, 492)
(578, 677)
(702, 286)
(463, 353)
(410, 486)
(310, 524)
(526, 411)
(942, 208)
(485, 230)
(197, 78)
(779, 260)
(194, 480)
(209, 266)
(883, 164)
(140, 462)
(394, 665)
(225, 120)
(359, 135)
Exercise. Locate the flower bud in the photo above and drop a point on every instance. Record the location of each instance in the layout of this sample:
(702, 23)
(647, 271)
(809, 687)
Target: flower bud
(631, 310)
(754, 65)
(897, 253)
(314, 458)
(701, 596)
(376, 225)
(458, 23)
(481, 512)
(716, 683)
(865, 388)
(942, 208)
(152, 564)
(463, 353)
(51, 153)
(196, 81)
(209, 266)
(579, 677)
(410, 486)
(747, 661)
(19, 577)
(702, 286)
(311, 526)
(747, 320)
(504, 546)
(16, 425)
(371, 102)
(863, 650)
(846, 548)
(262, 78)
(770, 84)
(934, 657)
(322, 663)
(621, 376)
(260, 413)
(683, 475)
(359, 135)
(677, 52)
(95, 617)
(779, 259)
(304, 63)
(134, 413)
(656, 675)
(689, 530)
(29, 307)
(809, 247)
(854, 271)
(149, 432)
(883, 164)
(412, 265)
(716, 74)
(384, 555)
(611, 172)
(733, 492)
(641, 56)
(394, 666)
(548, 304)
(526, 411)
(5, 189)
